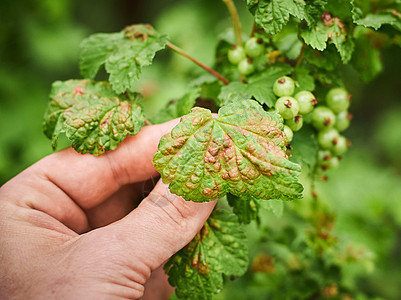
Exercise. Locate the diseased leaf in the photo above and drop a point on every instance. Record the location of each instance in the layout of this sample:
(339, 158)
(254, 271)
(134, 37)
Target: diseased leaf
(242, 152)
(259, 87)
(91, 115)
(246, 209)
(123, 54)
(332, 31)
(273, 15)
(220, 248)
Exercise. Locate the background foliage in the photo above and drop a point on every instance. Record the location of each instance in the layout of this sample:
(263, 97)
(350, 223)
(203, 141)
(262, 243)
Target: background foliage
(39, 42)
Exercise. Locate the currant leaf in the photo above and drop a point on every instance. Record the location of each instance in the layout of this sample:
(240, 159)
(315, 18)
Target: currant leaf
(331, 31)
(276, 207)
(123, 54)
(91, 115)
(259, 87)
(246, 209)
(273, 15)
(366, 15)
(219, 248)
(304, 79)
(242, 151)
(177, 108)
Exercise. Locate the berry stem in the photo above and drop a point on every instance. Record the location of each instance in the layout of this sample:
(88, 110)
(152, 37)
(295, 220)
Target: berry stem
(300, 56)
(203, 66)
(236, 23)
(254, 28)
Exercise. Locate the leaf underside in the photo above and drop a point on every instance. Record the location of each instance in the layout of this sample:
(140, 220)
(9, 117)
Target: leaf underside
(93, 118)
(242, 152)
(219, 248)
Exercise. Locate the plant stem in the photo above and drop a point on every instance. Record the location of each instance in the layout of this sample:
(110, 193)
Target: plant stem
(301, 54)
(237, 25)
(147, 122)
(254, 27)
(203, 66)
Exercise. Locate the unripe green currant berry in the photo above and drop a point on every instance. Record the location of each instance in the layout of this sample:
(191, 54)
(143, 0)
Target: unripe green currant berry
(284, 86)
(246, 66)
(323, 156)
(327, 138)
(338, 100)
(323, 117)
(306, 100)
(332, 163)
(295, 123)
(287, 107)
(340, 146)
(288, 133)
(236, 54)
(343, 120)
(254, 47)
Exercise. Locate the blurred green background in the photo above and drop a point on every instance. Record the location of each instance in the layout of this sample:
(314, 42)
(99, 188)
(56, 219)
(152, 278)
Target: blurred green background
(39, 43)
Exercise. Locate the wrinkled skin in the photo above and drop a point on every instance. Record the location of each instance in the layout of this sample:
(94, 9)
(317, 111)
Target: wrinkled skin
(68, 231)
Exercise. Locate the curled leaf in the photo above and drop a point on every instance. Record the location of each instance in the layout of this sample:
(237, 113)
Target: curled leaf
(93, 118)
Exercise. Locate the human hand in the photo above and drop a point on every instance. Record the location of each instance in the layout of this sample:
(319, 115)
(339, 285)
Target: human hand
(65, 232)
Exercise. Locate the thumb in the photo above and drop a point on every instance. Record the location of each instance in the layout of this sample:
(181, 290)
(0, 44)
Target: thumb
(161, 225)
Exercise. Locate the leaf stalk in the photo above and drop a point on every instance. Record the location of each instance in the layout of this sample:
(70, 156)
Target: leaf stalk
(202, 65)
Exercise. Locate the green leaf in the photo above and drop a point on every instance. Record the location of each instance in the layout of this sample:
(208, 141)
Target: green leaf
(209, 85)
(220, 248)
(246, 209)
(91, 115)
(305, 148)
(332, 31)
(304, 80)
(288, 44)
(177, 108)
(273, 15)
(260, 87)
(123, 54)
(327, 60)
(242, 151)
(368, 61)
(365, 14)
(275, 206)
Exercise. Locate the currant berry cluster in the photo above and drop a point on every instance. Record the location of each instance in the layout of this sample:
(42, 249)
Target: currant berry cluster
(292, 109)
(329, 120)
(243, 56)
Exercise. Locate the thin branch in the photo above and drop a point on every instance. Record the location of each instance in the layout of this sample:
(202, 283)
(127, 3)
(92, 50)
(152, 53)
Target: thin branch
(236, 23)
(300, 56)
(203, 66)
(254, 28)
